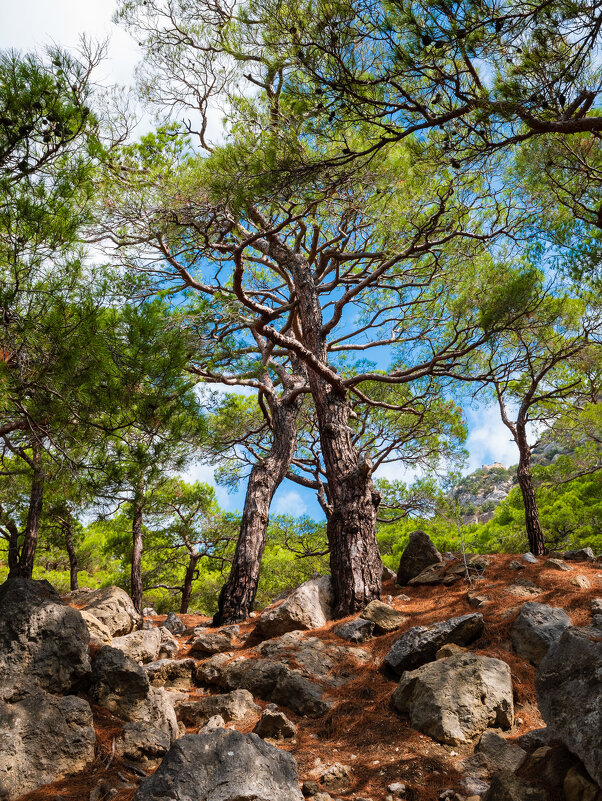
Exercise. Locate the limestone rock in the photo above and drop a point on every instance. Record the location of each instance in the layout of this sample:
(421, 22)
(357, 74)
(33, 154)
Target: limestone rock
(499, 753)
(337, 777)
(223, 765)
(529, 558)
(420, 644)
(174, 624)
(274, 725)
(418, 554)
(505, 786)
(209, 642)
(42, 640)
(169, 645)
(99, 633)
(569, 693)
(43, 738)
(309, 606)
(357, 630)
(114, 608)
(536, 628)
(384, 617)
(333, 664)
(141, 646)
(581, 581)
(580, 555)
(176, 673)
(118, 684)
(143, 743)
(454, 700)
(387, 574)
(557, 564)
(235, 705)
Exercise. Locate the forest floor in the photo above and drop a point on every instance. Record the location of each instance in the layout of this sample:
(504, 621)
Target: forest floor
(363, 730)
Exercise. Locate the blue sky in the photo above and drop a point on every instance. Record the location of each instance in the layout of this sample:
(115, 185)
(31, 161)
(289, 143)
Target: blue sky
(30, 24)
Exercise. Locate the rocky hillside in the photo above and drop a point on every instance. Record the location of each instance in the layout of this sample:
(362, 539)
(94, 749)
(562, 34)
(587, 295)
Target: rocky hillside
(480, 683)
(480, 492)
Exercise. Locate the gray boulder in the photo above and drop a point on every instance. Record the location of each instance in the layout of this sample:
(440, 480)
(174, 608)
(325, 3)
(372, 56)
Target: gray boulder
(536, 628)
(309, 606)
(143, 743)
(141, 646)
(169, 645)
(274, 725)
(42, 640)
(114, 608)
(420, 644)
(223, 765)
(235, 705)
(384, 617)
(580, 555)
(529, 558)
(569, 694)
(118, 684)
(357, 630)
(418, 554)
(174, 624)
(176, 673)
(454, 700)
(211, 642)
(43, 738)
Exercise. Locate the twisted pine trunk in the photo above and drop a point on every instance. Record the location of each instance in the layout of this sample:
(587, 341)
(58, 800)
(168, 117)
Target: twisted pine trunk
(73, 565)
(238, 593)
(136, 574)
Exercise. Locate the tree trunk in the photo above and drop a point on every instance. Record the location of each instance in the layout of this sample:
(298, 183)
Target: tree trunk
(136, 579)
(34, 514)
(73, 566)
(238, 593)
(525, 482)
(13, 550)
(188, 579)
(355, 563)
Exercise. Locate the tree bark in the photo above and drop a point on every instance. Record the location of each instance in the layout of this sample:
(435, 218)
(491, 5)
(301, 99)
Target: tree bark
(525, 482)
(32, 529)
(188, 579)
(13, 550)
(73, 565)
(238, 593)
(136, 576)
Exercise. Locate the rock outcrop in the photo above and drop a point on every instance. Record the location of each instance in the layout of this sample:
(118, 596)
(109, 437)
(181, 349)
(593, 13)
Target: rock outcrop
(384, 617)
(455, 699)
(418, 554)
(223, 765)
(569, 694)
(43, 641)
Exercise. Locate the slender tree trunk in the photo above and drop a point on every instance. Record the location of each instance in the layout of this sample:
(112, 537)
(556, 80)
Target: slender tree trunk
(238, 593)
(525, 482)
(355, 562)
(136, 577)
(73, 565)
(32, 528)
(13, 550)
(188, 579)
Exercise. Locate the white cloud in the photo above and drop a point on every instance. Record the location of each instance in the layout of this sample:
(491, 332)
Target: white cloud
(289, 503)
(489, 440)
